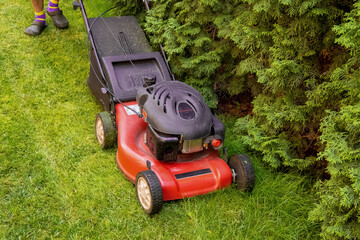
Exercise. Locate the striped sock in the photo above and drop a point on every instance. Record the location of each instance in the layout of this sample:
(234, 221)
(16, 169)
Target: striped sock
(53, 6)
(40, 16)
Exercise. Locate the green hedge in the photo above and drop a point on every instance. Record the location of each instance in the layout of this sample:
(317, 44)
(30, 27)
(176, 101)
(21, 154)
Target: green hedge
(339, 207)
(300, 62)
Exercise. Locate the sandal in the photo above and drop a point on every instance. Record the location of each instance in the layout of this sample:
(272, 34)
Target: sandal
(35, 28)
(59, 19)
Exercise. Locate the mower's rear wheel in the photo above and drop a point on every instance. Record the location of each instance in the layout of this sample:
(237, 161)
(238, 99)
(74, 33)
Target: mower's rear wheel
(243, 171)
(104, 130)
(149, 192)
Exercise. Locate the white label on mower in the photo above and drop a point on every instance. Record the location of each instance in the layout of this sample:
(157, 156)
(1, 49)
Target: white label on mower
(132, 109)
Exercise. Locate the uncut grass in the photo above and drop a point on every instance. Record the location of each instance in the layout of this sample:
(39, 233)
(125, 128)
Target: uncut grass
(56, 182)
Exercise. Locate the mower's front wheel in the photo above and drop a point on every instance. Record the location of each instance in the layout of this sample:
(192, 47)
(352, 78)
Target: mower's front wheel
(104, 130)
(149, 192)
(243, 172)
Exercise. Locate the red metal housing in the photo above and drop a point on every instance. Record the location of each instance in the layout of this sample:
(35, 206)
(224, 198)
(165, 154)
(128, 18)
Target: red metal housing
(192, 174)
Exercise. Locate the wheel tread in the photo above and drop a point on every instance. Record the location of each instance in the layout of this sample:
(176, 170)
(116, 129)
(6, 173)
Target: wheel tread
(109, 129)
(241, 163)
(155, 190)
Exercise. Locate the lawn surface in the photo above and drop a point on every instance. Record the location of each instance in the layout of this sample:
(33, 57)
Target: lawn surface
(56, 182)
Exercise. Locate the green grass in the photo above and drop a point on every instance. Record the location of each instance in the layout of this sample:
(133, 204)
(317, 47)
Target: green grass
(56, 182)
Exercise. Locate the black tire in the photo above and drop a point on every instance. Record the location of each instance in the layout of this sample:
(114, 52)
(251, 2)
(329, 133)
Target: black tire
(244, 170)
(151, 201)
(104, 130)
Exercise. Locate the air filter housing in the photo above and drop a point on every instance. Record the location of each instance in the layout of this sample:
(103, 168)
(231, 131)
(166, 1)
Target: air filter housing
(174, 110)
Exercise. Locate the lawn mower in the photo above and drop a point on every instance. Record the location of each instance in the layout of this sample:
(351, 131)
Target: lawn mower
(168, 140)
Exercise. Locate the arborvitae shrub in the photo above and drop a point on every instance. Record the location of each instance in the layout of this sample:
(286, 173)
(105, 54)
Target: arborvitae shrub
(299, 60)
(339, 206)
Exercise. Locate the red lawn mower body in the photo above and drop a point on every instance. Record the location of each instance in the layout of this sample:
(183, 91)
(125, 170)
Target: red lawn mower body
(192, 174)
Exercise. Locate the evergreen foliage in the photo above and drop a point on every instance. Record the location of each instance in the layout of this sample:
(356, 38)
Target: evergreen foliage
(339, 207)
(299, 59)
(188, 39)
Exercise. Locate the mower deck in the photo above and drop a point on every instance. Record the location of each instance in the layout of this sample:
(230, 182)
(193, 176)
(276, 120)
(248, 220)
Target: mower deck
(193, 174)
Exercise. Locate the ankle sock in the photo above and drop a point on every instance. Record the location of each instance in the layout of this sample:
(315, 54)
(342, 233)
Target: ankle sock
(40, 16)
(53, 6)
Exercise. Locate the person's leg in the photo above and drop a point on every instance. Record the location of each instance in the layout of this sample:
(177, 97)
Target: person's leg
(38, 5)
(56, 14)
(39, 23)
(53, 6)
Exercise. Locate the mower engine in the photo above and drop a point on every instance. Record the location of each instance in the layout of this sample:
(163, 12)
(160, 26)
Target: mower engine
(178, 120)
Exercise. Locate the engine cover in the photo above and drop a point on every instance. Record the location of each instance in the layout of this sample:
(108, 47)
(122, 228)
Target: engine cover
(175, 108)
